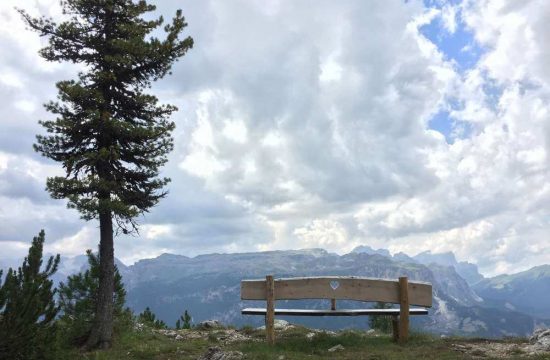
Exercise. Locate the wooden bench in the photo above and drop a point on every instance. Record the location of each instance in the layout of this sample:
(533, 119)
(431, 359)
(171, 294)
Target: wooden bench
(400, 292)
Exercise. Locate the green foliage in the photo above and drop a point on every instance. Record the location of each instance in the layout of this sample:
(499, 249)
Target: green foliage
(110, 136)
(27, 307)
(78, 301)
(381, 323)
(148, 318)
(184, 322)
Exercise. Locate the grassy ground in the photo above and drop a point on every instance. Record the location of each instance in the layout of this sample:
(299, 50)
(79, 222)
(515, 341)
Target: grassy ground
(294, 344)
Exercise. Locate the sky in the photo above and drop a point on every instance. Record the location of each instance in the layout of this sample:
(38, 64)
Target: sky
(407, 125)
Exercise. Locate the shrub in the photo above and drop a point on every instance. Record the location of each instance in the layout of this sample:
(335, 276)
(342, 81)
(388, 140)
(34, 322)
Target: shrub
(78, 301)
(27, 307)
(380, 322)
(148, 318)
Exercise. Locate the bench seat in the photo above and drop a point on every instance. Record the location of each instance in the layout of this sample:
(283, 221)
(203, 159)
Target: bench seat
(338, 312)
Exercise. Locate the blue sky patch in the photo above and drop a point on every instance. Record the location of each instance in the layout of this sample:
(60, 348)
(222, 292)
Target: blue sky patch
(459, 46)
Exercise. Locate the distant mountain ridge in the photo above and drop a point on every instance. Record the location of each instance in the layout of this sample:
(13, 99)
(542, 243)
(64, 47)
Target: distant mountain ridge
(527, 291)
(467, 270)
(208, 286)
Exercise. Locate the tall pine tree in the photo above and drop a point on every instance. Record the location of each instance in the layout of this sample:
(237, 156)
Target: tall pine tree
(109, 135)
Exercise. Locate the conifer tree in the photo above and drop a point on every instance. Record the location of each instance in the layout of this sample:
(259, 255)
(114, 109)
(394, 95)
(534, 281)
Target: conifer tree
(109, 135)
(184, 322)
(78, 298)
(27, 307)
(149, 318)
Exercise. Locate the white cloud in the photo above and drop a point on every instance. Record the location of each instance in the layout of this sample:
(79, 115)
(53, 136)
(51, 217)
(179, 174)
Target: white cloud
(307, 126)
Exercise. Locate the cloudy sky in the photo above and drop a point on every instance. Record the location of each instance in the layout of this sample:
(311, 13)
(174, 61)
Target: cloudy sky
(409, 125)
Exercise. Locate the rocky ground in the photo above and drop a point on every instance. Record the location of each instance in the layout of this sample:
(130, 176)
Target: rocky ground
(538, 346)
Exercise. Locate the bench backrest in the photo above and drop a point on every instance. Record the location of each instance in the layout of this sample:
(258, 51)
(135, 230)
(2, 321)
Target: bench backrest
(334, 287)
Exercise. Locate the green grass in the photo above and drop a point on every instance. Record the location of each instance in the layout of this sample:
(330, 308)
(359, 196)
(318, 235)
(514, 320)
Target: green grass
(143, 345)
(295, 345)
(292, 344)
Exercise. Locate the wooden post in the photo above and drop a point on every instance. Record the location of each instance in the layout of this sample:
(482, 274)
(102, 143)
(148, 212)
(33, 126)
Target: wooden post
(270, 310)
(332, 304)
(403, 309)
(395, 328)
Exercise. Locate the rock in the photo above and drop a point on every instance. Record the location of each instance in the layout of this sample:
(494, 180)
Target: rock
(370, 331)
(541, 339)
(310, 335)
(281, 357)
(216, 353)
(338, 347)
(209, 324)
(282, 325)
(278, 325)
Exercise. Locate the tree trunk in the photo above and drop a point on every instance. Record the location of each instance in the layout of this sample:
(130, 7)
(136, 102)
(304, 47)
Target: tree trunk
(102, 331)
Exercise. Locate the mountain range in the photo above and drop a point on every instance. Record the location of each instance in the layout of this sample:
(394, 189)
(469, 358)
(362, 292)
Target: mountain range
(208, 286)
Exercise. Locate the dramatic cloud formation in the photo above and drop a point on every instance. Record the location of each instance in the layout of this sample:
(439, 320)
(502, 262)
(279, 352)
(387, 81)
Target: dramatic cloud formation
(407, 125)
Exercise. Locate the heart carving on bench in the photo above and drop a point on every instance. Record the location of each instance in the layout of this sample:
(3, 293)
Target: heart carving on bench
(334, 284)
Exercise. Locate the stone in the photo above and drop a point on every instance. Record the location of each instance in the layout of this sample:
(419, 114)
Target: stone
(281, 324)
(338, 347)
(370, 331)
(216, 353)
(541, 339)
(310, 335)
(209, 324)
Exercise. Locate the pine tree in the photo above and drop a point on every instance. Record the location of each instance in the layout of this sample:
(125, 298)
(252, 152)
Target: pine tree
(27, 307)
(78, 298)
(148, 318)
(184, 322)
(109, 135)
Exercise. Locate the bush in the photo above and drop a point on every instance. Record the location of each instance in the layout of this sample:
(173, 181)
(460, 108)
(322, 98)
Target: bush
(148, 318)
(78, 301)
(27, 307)
(380, 322)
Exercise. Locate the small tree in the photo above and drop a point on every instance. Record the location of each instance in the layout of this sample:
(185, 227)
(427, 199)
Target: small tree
(184, 322)
(381, 323)
(78, 301)
(27, 307)
(148, 318)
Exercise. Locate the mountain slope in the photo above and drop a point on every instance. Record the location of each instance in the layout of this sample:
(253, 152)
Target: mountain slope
(528, 290)
(209, 287)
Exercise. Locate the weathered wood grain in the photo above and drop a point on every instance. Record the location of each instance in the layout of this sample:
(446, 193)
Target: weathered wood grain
(349, 288)
(270, 313)
(403, 310)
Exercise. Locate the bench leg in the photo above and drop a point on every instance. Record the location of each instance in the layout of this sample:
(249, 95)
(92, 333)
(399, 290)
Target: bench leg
(403, 309)
(395, 328)
(270, 310)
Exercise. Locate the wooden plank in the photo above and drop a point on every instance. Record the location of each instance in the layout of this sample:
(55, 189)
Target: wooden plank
(403, 310)
(339, 312)
(270, 313)
(348, 288)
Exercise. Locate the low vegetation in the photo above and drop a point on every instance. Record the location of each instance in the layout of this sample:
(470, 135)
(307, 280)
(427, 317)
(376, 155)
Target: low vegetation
(298, 343)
